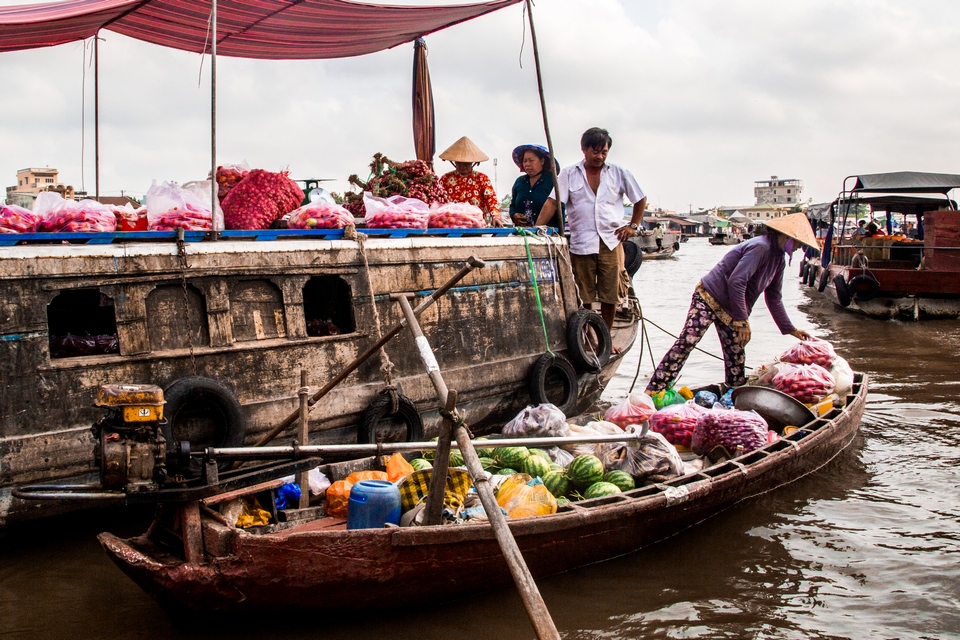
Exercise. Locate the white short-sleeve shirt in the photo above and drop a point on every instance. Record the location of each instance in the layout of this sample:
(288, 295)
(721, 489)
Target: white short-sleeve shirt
(592, 217)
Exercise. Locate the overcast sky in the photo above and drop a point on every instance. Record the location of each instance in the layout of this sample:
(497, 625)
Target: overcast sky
(702, 98)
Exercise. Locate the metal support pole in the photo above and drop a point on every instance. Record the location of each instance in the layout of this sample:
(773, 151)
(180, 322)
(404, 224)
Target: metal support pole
(214, 233)
(96, 114)
(303, 476)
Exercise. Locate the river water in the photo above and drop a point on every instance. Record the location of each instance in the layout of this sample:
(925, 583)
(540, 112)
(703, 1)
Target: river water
(867, 548)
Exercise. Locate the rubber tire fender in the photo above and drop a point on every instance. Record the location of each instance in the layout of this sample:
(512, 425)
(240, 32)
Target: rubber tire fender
(824, 280)
(537, 381)
(864, 287)
(632, 258)
(218, 401)
(382, 407)
(843, 291)
(811, 275)
(676, 246)
(582, 357)
(803, 270)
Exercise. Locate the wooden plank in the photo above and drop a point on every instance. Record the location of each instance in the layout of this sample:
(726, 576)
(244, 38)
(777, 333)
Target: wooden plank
(230, 495)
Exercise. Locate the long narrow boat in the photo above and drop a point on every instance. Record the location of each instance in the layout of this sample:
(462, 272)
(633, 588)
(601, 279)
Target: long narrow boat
(319, 565)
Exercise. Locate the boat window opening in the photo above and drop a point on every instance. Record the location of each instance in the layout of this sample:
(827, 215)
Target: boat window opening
(328, 306)
(177, 318)
(779, 445)
(720, 469)
(256, 309)
(755, 456)
(642, 492)
(82, 322)
(682, 480)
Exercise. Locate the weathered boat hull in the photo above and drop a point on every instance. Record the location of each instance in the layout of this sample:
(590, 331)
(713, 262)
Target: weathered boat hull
(312, 568)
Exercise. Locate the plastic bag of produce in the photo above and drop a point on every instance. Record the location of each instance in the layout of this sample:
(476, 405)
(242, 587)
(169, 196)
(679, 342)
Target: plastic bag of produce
(228, 176)
(367, 474)
(14, 219)
(595, 428)
(455, 215)
(729, 428)
(843, 376)
(287, 496)
(170, 206)
(398, 468)
(764, 374)
(636, 408)
(523, 497)
(83, 216)
(706, 399)
(542, 421)
(812, 351)
(667, 397)
(260, 198)
(653, 459)
(395, 212)
(808, 383)
(677, 421)
(130, 218)
(319, 215)
(338, 496)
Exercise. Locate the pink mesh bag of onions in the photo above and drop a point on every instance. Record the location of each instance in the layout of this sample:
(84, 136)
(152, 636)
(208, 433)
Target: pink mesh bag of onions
(729, 428)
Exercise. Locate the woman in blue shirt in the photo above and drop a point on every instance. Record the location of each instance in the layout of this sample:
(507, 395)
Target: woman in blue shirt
(533, 188)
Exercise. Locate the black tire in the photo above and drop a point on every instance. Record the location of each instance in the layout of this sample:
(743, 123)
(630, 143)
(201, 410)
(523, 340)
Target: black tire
(632, 258)
(582, 355)
(811, 275)
(864, 287)
(549, 375)
(676, 246)
(843, 292)
(824, 280)
(803, 271)
(384, 422)
(204, 413)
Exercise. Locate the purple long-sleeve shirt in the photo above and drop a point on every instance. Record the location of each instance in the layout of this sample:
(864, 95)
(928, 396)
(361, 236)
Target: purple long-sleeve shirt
(749, 269)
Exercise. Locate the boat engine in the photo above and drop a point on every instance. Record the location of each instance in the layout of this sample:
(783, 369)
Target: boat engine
(130, 449)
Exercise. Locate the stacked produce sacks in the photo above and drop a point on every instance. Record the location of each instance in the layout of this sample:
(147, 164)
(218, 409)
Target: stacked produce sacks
(395, 212)
(171, 206)
(260, 198)
(14, 219)
(319, 215)
(78, 216)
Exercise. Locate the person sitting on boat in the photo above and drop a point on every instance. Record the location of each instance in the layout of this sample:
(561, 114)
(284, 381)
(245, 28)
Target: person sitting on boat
(464, 184)
(726, 295)
(861, 229)
(873, 230)
(532, 189)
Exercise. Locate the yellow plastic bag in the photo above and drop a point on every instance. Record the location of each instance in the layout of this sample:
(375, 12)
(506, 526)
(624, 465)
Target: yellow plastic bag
(522, 497)
(398, 468)
(252, 515)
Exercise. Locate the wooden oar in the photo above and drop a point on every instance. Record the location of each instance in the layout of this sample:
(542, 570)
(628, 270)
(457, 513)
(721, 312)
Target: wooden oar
(529, 593)
(472, 263)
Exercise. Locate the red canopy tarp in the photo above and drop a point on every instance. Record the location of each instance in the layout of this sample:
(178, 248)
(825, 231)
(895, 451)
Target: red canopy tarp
(264, 29)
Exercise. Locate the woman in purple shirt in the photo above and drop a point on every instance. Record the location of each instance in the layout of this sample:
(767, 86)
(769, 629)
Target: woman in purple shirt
(725, 298)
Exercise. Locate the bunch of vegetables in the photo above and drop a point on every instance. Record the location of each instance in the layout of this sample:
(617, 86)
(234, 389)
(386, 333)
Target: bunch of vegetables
(455, 215)
(676, 422)
(260, 198)
(636, 408)
(228, 177)
(411, 179)
(813, 351)
(808, 383)
(319, 215)
(14, 219)
(729, 428)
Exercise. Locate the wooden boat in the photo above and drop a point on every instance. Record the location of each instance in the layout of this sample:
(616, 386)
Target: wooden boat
(230, 324)
(648, 245)
(319, 565)
(892, 276)
(721, 238)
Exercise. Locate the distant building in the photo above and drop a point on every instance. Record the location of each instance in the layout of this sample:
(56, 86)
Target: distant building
(776, 191)
(31, 181)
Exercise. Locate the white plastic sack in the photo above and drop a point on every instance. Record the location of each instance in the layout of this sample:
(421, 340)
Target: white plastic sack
(542, 421)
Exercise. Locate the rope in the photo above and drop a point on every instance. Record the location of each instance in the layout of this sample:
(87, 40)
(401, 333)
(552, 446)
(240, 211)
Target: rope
(536, 288)
(712, 355)
(386, 366)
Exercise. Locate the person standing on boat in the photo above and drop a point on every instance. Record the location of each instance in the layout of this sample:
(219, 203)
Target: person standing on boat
(532, 189)
(658, 236)
(726, 295)
(464, 184)
(593, 192)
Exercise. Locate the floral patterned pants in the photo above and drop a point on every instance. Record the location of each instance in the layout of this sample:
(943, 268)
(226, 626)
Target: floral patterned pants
(699, 318)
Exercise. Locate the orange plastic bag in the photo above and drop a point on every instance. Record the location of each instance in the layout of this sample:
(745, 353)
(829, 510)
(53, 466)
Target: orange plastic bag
(398, 468)
(522, 497)
(338, 494)
(357, 476)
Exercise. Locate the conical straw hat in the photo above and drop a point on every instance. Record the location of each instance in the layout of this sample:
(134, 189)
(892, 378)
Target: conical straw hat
(797, 227)
(463, 150)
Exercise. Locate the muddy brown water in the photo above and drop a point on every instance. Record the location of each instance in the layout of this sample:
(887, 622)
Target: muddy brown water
(869, 547)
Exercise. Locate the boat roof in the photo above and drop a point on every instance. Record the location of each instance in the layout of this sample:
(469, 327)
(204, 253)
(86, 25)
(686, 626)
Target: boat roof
(904, 182)
(910, 205)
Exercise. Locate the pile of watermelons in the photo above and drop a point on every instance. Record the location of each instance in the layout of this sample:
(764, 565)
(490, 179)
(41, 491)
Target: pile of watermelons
(582, 479)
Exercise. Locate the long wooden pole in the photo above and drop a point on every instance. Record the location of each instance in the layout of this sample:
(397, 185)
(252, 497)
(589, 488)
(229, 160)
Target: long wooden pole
(96, 114)
(543, 111)
(472, 263)
(529, 593)
(214, 232)
(303, 478)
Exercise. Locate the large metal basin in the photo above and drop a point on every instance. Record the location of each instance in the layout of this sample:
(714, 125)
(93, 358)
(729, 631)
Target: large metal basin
(777, 408)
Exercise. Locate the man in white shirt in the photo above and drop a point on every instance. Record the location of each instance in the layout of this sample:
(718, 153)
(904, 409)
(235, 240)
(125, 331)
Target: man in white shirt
(593, 192)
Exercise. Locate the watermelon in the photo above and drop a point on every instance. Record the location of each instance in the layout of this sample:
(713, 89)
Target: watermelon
(489, 464)
(430, 454)
(620, 478)
(419, 464)
(543, 454)
(585, 470)
(512, 457)
(482, 452)
(456, 459)
(600, 489)
(562, 501)
(536, 466)
(506, 471)
(556, 483)
(556, 467)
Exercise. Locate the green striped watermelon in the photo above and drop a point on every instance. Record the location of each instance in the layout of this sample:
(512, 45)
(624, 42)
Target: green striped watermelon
(506, 471)
(585, 470)
(556, 483)
(600, 489)
(620, 478)
(540, 452)
(562, 501)
(430, 454)
(456, 459)
(536, 466)
(419, 464)
(483, 452)
(489, 464)
(512, 457)
(556, 467)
